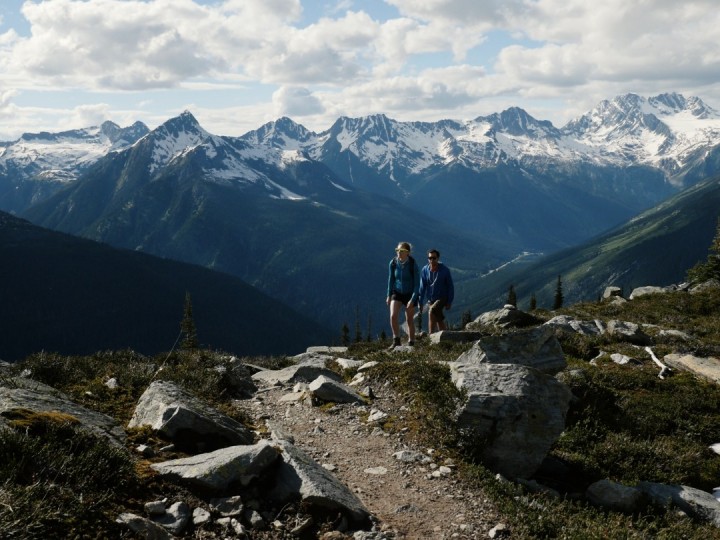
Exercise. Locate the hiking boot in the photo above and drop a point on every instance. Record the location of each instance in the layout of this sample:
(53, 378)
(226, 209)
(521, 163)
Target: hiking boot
(395, 343)
(411, 343)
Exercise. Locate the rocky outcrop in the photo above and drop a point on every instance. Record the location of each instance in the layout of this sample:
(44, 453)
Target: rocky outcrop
(518, 411)
(189, 423)
(506, 317)
(537, 348)
(24, 394)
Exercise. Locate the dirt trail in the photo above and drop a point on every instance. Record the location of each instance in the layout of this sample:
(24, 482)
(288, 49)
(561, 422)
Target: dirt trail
(412, 500)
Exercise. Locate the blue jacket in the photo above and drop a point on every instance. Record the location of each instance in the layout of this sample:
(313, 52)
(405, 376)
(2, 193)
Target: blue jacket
(434, 286)
(402, 280)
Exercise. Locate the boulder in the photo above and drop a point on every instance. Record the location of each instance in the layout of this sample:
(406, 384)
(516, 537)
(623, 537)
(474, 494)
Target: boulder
(188, 422)
(642, 291)
(570, 325)
(215, 472)
(303, 372)
(517, 410)
(612, 292)
(28, 395)
(537, 348)
(708, 368)
(614, 496)
(317, 488)
(327, 389)
(694, 502)
(454, 336)
(629, 332)
(506, 317)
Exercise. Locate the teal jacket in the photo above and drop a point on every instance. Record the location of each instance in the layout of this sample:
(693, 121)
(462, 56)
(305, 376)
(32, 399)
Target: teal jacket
(404, 278)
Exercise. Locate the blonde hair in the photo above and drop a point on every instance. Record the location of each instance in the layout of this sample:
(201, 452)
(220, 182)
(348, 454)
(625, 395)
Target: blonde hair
(404, 245)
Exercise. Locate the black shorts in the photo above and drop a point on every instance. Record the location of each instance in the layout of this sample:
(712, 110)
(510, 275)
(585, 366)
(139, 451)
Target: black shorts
(436, 308)
(402, 298)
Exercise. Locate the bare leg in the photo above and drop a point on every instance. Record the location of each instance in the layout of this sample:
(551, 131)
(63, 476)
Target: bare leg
(409, 313)
(395, 307)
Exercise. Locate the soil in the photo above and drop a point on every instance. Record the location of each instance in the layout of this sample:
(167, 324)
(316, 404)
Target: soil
(416, 500)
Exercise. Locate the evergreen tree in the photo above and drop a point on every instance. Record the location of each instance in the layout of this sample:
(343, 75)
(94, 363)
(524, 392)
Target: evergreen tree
(558, 303)
(345, 338)
(512, 297)
(358, 331)
(368, 336)
(710, 269)
(187, 326)
(465, 319)
(533, 302)
(383, 335)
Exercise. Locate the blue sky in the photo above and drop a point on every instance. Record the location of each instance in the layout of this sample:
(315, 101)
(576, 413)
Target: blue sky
(236, 64)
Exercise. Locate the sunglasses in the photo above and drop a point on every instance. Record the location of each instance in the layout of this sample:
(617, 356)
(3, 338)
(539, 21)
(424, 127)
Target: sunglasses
(402, 250)
(432, 258)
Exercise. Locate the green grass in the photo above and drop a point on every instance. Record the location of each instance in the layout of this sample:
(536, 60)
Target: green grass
(625, 424)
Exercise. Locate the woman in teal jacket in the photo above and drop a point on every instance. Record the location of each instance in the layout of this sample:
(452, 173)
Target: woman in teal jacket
(402, 291)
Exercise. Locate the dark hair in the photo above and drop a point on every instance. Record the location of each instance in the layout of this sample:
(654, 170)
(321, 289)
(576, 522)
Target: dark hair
(435, 251)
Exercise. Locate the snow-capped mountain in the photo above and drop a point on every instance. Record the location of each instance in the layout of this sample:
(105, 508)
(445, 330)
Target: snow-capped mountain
(507, 175)
(38, 164)
(662, 132)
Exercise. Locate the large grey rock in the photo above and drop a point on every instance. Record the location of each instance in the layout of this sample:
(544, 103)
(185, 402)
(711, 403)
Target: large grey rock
(708, 368)
(237, 378)
(572, 325)
(506, 317)
(518, 410)
(538, 348)
(612, 292)
(642, 291)
(327, 389)
(694, 502)
(628, 331)
(216, 471)
(455, 336)
(23, 393)
(299, 475)
(614, 496)
(188, 422)
(143, 527)
(327, 349)
(303, 372)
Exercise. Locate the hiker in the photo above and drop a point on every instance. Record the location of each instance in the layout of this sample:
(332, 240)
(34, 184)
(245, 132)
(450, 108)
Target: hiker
(437, 290)
(402, 291)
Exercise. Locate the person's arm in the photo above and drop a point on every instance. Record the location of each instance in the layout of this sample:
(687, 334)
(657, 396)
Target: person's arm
(423, 287)
(416, 282)
(390, 280)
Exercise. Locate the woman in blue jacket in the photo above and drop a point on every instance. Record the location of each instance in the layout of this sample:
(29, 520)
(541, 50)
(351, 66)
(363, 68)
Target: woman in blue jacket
(402, 291)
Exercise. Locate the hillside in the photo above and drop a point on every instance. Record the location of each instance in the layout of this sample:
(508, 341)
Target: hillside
(73, 296)
(654, 248)
(399, 450)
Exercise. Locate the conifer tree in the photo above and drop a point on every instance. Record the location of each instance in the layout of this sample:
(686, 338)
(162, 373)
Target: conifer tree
(533, 302)
(358, 331)
(345, 338)
(558, 303)
(465, 319)
(187, 326)
(710, 269)
(512, 297)
(368, 336)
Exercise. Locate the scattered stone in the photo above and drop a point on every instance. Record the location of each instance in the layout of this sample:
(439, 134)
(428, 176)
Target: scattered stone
(143, 527)
(614, 496)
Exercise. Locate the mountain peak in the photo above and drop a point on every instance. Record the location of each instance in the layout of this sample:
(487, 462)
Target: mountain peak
(516, 121)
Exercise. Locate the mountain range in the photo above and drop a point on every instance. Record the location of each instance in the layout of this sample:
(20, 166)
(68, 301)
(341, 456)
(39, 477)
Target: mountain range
(311, 218)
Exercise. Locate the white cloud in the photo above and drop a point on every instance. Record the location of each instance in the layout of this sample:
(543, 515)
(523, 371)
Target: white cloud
(296, 102)
(437, 58)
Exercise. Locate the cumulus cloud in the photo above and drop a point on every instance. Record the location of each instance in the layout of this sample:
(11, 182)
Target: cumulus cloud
(294, 101)
(352, 61)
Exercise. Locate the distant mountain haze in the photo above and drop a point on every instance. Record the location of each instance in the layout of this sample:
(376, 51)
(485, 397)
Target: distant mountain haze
(311, 218)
